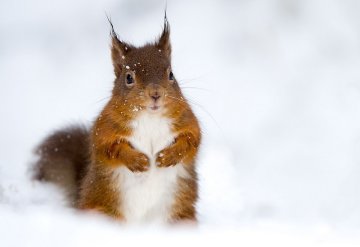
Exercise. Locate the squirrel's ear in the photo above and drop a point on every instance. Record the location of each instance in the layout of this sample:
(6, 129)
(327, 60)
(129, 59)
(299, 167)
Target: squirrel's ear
(119, 49)
(164, 41)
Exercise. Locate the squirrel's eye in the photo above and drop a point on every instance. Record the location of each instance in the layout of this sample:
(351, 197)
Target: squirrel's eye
(171, 76)
(129, 79)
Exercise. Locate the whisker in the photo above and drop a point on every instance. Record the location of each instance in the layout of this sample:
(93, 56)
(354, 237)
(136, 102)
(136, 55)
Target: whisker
(100, 100)
(186, 81)
(198, 88)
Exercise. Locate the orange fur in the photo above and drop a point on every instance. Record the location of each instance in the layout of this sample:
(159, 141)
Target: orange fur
(153, 87)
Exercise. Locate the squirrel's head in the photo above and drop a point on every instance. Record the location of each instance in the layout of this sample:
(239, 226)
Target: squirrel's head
(144, 78)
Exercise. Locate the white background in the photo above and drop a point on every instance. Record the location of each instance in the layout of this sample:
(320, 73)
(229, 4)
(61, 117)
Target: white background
(276, 86)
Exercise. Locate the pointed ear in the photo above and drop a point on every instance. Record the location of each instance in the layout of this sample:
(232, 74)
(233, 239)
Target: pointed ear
(119, 49)
(164, 41)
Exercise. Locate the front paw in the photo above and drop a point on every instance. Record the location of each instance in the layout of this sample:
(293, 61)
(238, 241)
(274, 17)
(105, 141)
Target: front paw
(139, 163)
(166, 158)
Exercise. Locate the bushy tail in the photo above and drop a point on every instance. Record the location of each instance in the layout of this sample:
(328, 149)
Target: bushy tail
(63, 159)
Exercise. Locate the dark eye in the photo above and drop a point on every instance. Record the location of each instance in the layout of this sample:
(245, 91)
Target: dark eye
(129, 79)
(171, 76)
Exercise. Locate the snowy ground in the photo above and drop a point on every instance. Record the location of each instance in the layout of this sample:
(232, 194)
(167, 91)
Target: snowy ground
(276, 85)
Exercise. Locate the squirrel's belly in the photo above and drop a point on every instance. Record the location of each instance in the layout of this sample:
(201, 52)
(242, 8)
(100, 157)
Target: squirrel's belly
(148, 196)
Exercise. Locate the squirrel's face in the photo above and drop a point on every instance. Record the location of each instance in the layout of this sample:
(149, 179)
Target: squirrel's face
(144, 79)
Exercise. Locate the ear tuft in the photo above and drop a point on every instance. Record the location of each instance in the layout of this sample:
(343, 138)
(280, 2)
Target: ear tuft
(119, 49)
(164, 40)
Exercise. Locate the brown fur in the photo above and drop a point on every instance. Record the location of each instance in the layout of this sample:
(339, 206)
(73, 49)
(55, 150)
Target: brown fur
(150, 67)
(63, 159)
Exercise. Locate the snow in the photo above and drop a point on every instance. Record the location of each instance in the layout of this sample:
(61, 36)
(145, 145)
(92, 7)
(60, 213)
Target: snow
(276, 86)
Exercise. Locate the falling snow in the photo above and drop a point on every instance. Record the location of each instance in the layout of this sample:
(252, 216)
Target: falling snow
(279, 79)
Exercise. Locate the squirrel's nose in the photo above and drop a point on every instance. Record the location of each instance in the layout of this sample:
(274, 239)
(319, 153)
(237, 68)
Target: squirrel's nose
(155, 97)
(155, 91)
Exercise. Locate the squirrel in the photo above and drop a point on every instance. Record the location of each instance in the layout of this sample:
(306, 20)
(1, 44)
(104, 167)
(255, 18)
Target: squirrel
(137, 163)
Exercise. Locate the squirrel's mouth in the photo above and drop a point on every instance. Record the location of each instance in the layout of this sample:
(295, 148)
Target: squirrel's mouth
(154, 107)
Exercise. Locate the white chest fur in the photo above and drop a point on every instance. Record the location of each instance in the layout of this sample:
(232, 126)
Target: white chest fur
(147, 196)
(151, 133)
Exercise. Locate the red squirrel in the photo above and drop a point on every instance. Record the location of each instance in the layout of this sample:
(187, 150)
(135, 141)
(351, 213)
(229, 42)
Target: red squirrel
(137, 163)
